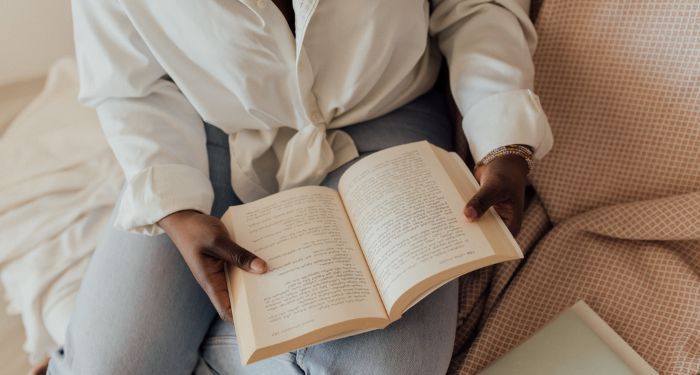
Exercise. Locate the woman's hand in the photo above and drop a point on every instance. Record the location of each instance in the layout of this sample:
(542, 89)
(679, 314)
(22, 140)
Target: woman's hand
(503, 182)
(40, 368)
(206, 246)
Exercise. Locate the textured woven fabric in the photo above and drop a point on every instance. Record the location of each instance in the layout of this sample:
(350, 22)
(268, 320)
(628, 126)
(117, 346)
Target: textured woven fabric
(646, 289)
(480, 290)
(620, 82)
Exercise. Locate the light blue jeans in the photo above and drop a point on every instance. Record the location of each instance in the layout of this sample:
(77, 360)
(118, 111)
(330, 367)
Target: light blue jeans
(140, 311)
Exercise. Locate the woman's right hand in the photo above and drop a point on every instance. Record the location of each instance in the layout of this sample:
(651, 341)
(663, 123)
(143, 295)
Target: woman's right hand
(206, 246)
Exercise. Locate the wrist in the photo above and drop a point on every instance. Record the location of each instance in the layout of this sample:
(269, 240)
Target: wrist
(172, 220)
(510, 152)
(513, 163)
(511, 167)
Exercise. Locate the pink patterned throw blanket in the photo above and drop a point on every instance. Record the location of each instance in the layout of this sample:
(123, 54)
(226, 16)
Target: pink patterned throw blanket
(616, 220)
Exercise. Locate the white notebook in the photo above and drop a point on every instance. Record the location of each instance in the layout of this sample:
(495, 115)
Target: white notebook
(577, 342)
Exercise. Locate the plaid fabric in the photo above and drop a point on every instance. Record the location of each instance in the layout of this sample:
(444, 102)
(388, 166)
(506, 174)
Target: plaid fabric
(620, 82)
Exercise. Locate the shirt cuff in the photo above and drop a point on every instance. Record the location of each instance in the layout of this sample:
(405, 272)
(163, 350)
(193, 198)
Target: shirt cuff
(158, 191)
(513, 117)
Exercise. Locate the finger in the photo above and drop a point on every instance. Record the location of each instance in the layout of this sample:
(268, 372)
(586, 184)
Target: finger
(514, 226)
(509, 213)
(486, 197)
(229, 251)
(217, 290)
(516, 219)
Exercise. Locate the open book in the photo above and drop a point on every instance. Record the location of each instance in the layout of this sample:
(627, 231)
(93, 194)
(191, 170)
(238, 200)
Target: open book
(346, 262)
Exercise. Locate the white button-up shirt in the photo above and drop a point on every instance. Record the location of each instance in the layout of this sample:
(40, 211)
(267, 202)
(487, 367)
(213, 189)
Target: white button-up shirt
(284, 97)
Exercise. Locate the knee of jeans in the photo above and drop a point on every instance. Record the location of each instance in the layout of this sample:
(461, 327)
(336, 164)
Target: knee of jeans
(107, 355)
(63, 362)
(68, 362)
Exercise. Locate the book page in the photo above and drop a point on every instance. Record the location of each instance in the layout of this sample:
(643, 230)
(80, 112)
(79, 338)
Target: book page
(408, 218)
(316, 275)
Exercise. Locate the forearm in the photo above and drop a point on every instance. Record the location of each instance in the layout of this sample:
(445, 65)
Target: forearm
(155, 133)
(488, 47)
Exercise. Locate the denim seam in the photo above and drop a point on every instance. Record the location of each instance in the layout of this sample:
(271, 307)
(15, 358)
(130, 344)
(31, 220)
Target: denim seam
(218, 340)
(208, 365)
(300, 354)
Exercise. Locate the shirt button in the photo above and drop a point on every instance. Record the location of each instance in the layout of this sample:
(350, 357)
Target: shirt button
(262, 4)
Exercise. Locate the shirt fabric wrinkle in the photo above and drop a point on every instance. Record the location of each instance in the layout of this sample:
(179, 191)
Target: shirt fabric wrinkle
(354, 63)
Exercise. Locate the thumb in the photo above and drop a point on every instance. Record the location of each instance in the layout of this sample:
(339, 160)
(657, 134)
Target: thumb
(486, 197)
(232, 253)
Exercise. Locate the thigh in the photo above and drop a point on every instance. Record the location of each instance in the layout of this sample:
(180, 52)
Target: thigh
(419, 343)
(220, 355)
(219, 350)
(139, 309)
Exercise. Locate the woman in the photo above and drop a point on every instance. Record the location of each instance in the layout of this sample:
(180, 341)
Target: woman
(212, 103)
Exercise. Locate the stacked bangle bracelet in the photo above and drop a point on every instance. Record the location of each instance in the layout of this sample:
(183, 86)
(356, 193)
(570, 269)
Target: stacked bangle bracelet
(518, 150)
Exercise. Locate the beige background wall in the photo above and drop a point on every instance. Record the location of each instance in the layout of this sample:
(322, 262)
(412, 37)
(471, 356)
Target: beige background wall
(33, 34)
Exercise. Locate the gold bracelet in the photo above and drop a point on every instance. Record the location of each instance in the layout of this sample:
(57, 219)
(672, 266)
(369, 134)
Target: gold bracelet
(518, 150)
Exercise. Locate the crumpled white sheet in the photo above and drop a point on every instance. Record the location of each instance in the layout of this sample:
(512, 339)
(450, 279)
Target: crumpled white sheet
(58, 184)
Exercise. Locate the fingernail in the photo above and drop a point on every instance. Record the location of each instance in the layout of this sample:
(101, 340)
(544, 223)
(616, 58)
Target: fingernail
(258, 265)
(470, 213)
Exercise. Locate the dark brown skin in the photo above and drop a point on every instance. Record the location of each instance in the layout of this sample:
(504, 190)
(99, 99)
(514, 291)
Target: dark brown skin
(503, 183)
(206, 245)
(40, 368)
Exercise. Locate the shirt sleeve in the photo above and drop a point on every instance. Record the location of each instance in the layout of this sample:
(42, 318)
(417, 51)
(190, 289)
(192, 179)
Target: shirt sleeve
(154, 132)
(488, 46)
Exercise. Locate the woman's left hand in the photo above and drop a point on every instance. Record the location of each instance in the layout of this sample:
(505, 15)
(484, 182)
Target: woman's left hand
(40, 368)
(503, 182)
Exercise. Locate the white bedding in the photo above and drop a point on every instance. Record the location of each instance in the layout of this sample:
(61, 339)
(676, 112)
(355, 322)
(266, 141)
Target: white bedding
(58, 183)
